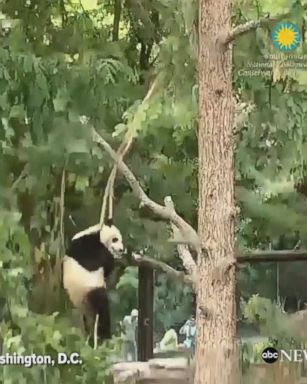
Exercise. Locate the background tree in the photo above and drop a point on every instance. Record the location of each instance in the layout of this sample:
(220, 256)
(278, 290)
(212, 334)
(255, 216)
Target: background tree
(63, 59)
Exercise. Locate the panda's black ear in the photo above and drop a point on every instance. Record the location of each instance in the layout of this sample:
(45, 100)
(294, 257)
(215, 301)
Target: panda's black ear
(109, 222)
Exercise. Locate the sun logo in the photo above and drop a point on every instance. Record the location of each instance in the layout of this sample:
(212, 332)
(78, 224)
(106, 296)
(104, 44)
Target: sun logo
(286, 36)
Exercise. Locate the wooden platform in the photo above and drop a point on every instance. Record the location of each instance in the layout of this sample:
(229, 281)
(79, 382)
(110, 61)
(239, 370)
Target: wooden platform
(162, 371)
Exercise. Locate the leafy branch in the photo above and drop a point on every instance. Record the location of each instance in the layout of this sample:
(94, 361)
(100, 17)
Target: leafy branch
(252, 25)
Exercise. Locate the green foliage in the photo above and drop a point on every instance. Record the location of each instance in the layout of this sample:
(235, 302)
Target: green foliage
(25, 333)
(59, 61)
(278, 329)
(273, 322)
(270, 160)
(172, 309)
(251, 353)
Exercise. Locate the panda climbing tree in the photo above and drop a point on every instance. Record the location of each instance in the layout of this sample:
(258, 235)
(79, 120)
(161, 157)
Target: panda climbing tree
(88, 262)
(91, 255)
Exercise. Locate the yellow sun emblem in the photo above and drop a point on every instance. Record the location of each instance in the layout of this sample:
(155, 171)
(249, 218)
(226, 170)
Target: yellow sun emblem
(286, 36)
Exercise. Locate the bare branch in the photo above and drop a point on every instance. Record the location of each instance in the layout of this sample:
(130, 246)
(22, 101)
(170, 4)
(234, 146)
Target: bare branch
(121, 152)
(164, 212)
(253, 257)
(183, 250)
(151, 89)
(139, 260)
(95, 331)
(22, 175)
(242, 29)
(62, 208)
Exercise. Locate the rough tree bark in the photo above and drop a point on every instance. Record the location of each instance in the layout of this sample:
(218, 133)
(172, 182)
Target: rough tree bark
(216, 361)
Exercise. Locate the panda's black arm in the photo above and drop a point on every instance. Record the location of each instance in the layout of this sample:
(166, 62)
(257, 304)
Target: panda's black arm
(106, 260)
(91, 254)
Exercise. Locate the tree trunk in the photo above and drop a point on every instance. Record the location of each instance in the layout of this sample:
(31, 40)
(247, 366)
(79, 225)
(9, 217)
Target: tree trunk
(216, 355)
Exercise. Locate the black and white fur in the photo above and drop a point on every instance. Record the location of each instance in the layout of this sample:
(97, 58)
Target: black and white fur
(88, 262)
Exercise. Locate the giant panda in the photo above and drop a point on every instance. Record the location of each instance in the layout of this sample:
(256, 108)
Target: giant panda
(88, 262)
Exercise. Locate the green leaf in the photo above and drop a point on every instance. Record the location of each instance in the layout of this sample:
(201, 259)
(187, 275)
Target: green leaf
(17, 111)
(60, 104)
(119, 129)
(81, 183)
(77, 146)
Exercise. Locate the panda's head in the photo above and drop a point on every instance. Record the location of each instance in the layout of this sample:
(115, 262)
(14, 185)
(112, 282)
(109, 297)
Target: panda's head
(111, 237)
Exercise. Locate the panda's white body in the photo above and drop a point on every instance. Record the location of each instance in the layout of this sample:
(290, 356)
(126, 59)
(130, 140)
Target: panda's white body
(78, 281)
(86, 265)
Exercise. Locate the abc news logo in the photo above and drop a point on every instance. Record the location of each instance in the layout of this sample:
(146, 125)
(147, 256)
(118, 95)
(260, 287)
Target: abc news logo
(270, 355)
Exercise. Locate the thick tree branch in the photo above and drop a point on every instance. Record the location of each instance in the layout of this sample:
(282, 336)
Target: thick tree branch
(221, 270)
(165, 213)
(245, 258)
(140, 13)
(183, 250)
(139, 260)
(242, 29)
(116, 20)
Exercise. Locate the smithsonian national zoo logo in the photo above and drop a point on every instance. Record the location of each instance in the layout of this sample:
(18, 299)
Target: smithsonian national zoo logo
(286, 36)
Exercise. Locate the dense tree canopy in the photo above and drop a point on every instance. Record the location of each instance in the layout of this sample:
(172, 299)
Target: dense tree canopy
(60, 60)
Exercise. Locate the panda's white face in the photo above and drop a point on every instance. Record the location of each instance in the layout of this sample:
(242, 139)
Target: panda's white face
(111, 237)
